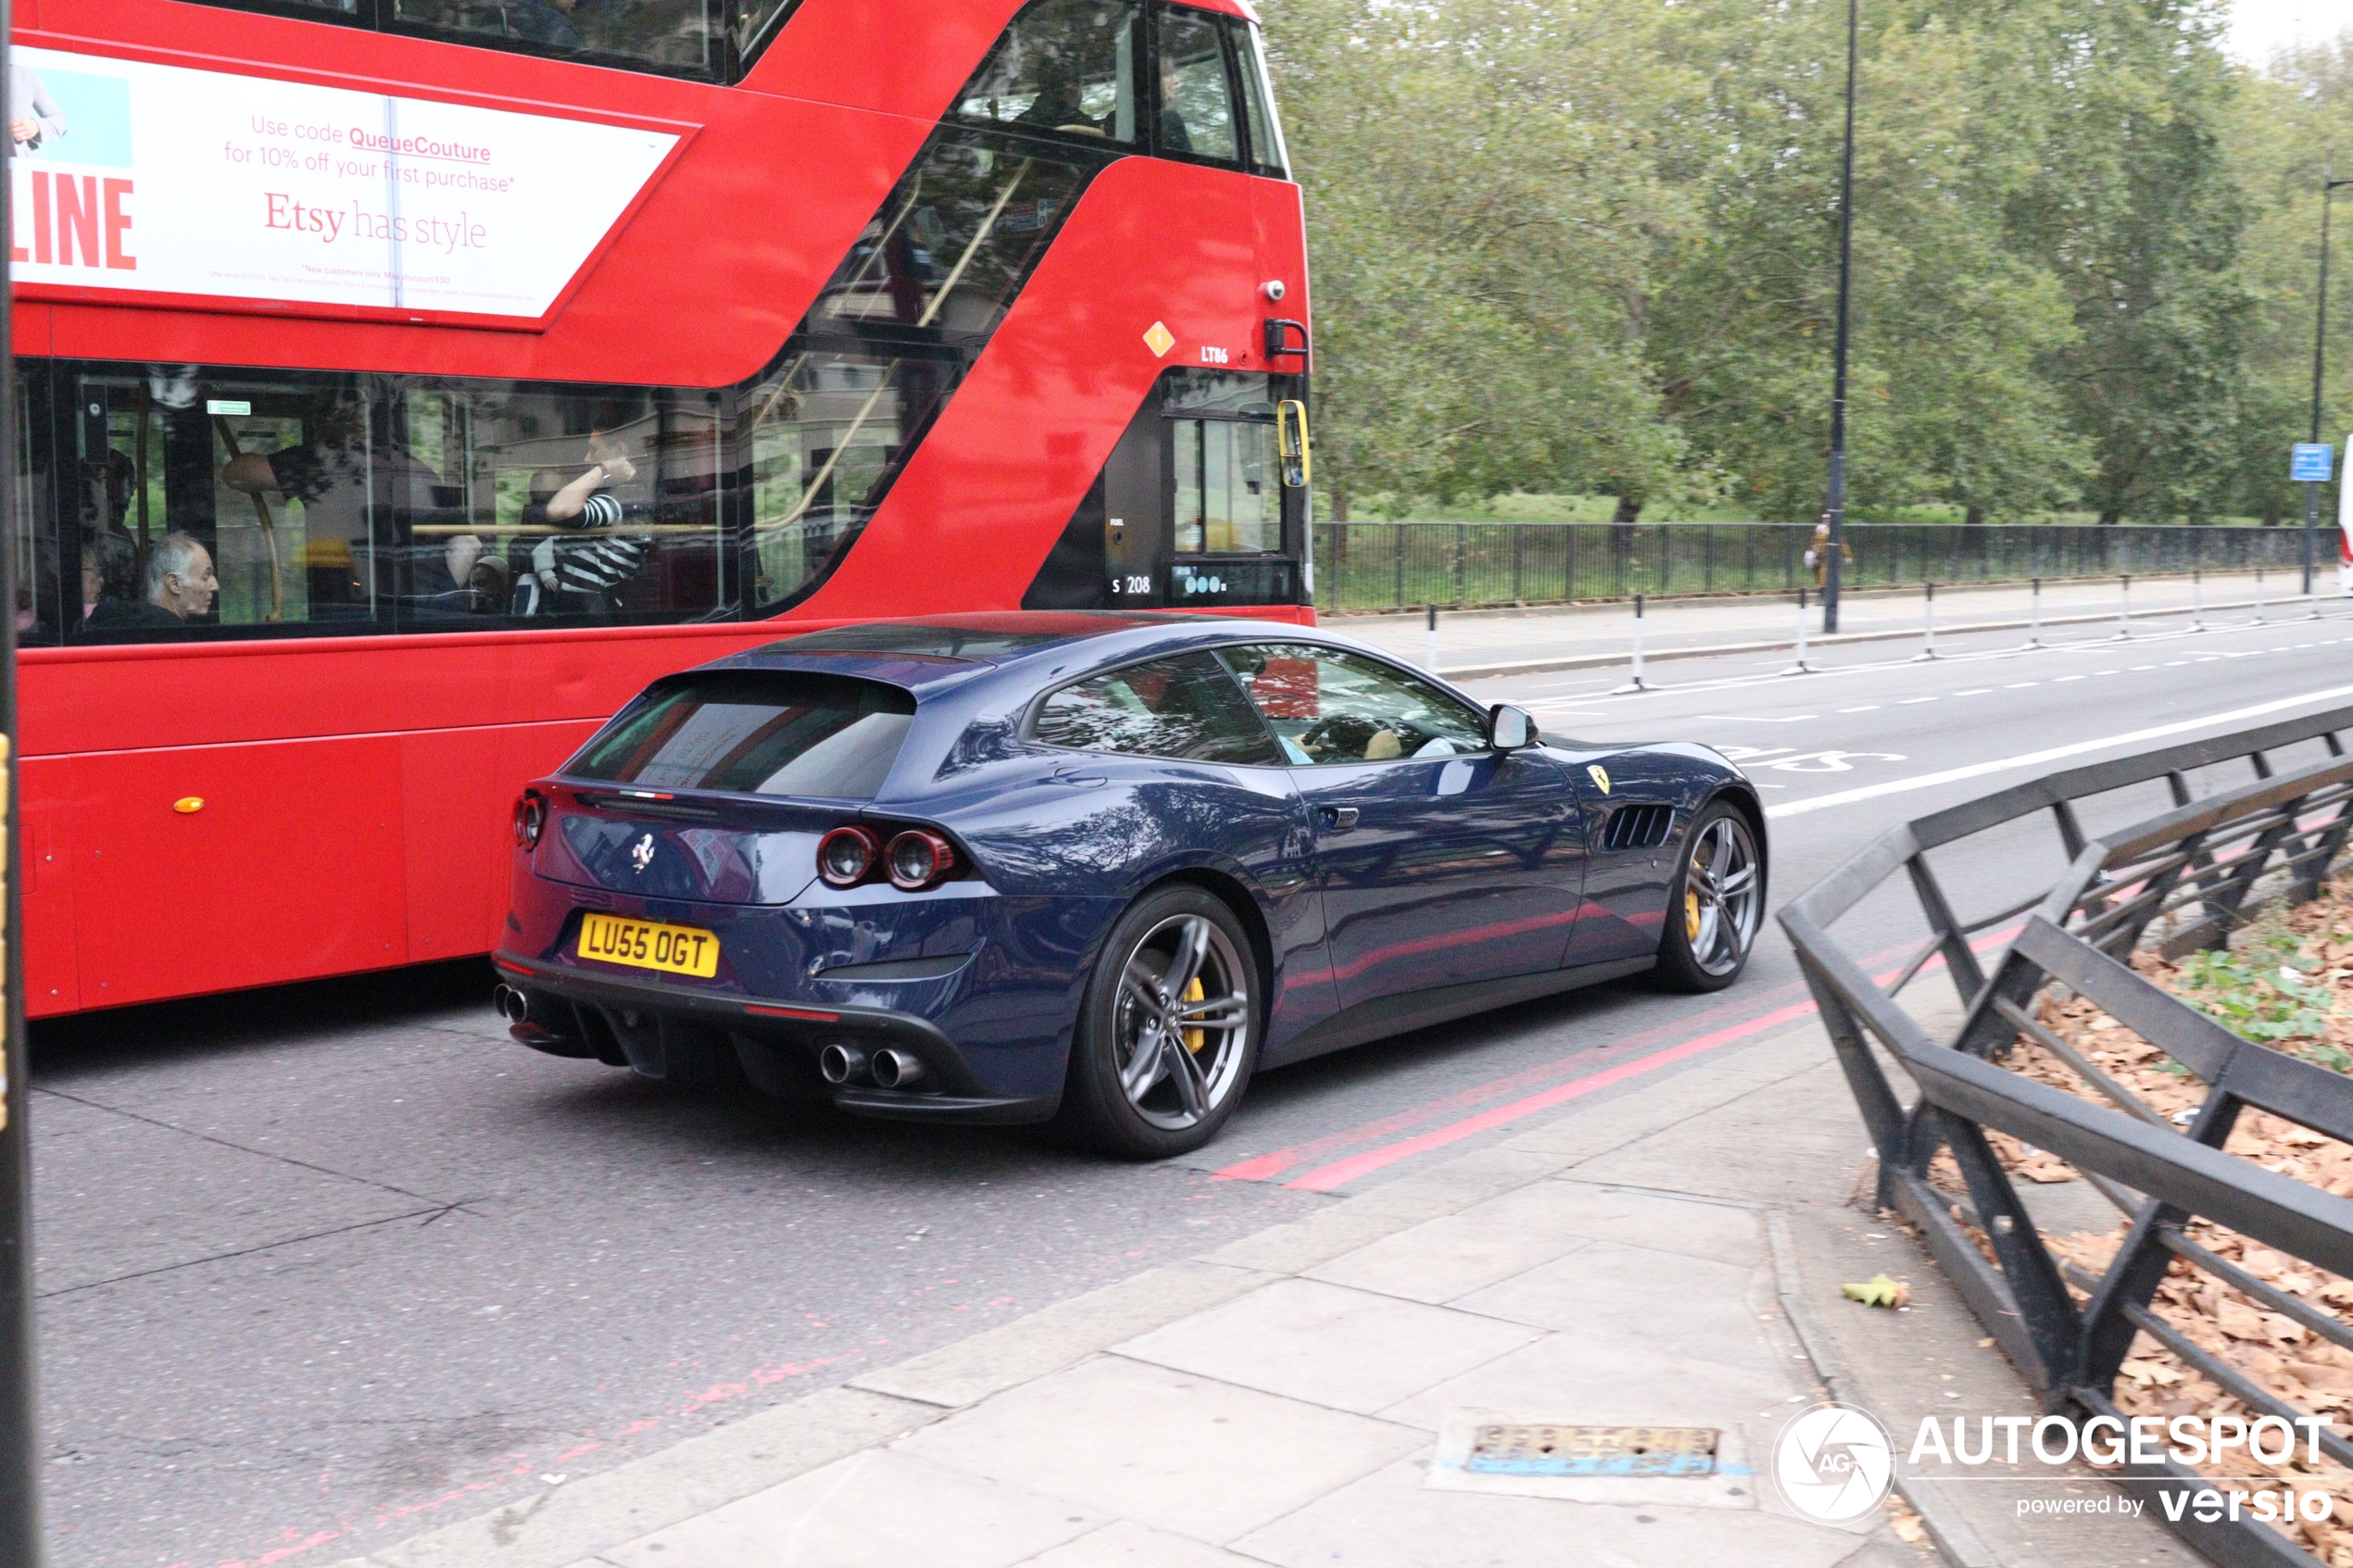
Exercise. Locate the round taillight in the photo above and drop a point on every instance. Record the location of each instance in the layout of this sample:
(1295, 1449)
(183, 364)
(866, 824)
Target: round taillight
(531, 820)
(845, 857)
(918, 858)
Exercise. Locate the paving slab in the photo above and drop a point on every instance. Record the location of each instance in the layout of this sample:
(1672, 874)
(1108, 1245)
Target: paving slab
(1327, 1344)
(1455, 1254)
(881, 1506)
(1639, 1296)
(1392, 1520)
(1171, 1450)
(1129, 1545)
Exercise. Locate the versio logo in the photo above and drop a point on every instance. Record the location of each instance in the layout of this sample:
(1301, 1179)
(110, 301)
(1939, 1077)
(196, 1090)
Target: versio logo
(1833, 1463)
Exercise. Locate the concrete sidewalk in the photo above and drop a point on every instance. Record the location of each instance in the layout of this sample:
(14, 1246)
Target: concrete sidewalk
(1663, 1253)
(1494, 641)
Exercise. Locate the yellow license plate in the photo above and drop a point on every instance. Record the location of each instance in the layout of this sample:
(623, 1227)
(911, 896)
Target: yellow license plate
(645, 943)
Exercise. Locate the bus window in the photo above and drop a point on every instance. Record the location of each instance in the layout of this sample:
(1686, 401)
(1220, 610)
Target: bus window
(325, 503)
(1195, 94)
(1223, 436)
(258, 478)
(1066, 67)
(1227, 501)
(561, 505)
(666, 36)
(1266, 154)
(953, 243)
(820, 437)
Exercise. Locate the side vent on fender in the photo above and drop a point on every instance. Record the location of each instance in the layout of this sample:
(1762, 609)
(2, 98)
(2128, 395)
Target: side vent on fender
(1637, 827)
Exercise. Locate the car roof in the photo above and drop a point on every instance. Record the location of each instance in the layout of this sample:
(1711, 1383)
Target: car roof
(1006, 650)
(981, 638)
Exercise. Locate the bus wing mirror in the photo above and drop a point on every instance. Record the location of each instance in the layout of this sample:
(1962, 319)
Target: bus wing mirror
(1290, 435)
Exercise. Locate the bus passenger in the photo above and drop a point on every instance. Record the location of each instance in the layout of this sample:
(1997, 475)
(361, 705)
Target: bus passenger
(582, 573)
(1174, 136)
(181, 586)
(109, 571)
(542, 22)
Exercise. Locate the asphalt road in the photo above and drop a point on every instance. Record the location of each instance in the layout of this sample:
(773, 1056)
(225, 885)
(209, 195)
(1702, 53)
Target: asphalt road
(326, 1266)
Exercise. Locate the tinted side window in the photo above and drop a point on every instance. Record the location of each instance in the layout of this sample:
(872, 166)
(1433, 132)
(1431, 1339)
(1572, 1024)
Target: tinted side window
(1195, 94)
(1063, 65)
(757, 732)
(1184, 707)
(1328, 706)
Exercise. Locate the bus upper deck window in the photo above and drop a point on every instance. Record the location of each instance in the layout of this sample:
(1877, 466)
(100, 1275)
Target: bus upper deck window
(1267, 152)
(1195, 91)
(1064, 66)
(666, 36)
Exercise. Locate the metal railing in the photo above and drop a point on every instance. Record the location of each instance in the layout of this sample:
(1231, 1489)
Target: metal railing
(1394, 565)
(2181, 881)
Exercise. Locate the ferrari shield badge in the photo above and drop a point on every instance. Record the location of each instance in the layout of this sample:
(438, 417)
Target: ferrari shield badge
(1600, 776)
(642, 854)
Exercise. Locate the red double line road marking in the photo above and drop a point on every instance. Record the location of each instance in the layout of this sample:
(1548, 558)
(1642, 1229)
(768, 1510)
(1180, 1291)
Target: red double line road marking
(1323, 1178)
(1339, 1172)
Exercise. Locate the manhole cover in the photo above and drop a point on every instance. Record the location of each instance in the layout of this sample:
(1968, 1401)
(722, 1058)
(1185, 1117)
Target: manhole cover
(1504, 1449)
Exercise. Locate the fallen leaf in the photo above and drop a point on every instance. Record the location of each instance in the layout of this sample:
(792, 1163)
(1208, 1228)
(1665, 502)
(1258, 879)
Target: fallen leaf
(1879, 1291)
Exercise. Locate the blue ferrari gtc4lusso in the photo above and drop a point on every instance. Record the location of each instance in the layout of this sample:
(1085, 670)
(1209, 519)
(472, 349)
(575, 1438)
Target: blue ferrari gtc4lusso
(1096, 868)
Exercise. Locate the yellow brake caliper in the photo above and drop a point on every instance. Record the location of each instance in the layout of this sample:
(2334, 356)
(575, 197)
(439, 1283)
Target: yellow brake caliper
(1195, 1038)
(1691, 914)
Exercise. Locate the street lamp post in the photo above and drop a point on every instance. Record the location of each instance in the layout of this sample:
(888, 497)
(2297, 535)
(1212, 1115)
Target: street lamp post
(1836, 511)
(2329, 184)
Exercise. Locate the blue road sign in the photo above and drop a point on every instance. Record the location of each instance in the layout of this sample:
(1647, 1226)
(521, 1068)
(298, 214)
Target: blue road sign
(2312, 460)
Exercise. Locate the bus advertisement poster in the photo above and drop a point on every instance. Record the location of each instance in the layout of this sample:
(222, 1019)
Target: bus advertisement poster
(162, 179)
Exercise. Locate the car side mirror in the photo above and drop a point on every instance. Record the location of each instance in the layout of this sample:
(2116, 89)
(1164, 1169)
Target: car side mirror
(1509, 728)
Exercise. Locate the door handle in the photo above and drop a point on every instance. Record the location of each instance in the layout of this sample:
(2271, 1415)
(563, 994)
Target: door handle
(1338, 819)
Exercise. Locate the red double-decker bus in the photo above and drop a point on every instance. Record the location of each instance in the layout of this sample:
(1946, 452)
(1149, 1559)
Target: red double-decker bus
(404, 382)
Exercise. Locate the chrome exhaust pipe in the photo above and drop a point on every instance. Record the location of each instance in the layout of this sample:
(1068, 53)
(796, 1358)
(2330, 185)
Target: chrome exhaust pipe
(512, 1005)
(840, 1063)
(897, 1070)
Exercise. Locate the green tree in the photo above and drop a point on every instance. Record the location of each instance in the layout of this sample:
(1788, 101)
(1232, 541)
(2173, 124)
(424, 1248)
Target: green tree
(2136, 213)
(1947, 399)
(1481, 210)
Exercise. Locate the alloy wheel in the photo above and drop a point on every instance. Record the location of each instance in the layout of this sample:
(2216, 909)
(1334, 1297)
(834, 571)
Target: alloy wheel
(1720, 896)
(1182, 1021)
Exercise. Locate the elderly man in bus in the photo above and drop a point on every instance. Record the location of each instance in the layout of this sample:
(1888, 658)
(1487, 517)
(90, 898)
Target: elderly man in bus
(181, 586)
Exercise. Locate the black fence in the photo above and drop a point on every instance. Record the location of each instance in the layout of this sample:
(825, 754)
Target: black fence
(2180, 880)
(1393, 565)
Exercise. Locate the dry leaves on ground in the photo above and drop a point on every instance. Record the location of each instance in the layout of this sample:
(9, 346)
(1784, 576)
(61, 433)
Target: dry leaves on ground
(2288, 983)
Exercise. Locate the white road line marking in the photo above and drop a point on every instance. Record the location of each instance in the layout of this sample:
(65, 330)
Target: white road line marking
(1867, 708)
(1909, 700)
(1756, 718)
(2021, 686)
(2031, 759)
(2063, 679)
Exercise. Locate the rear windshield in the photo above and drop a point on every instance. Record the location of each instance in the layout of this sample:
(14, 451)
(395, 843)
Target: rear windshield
(756, 732)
